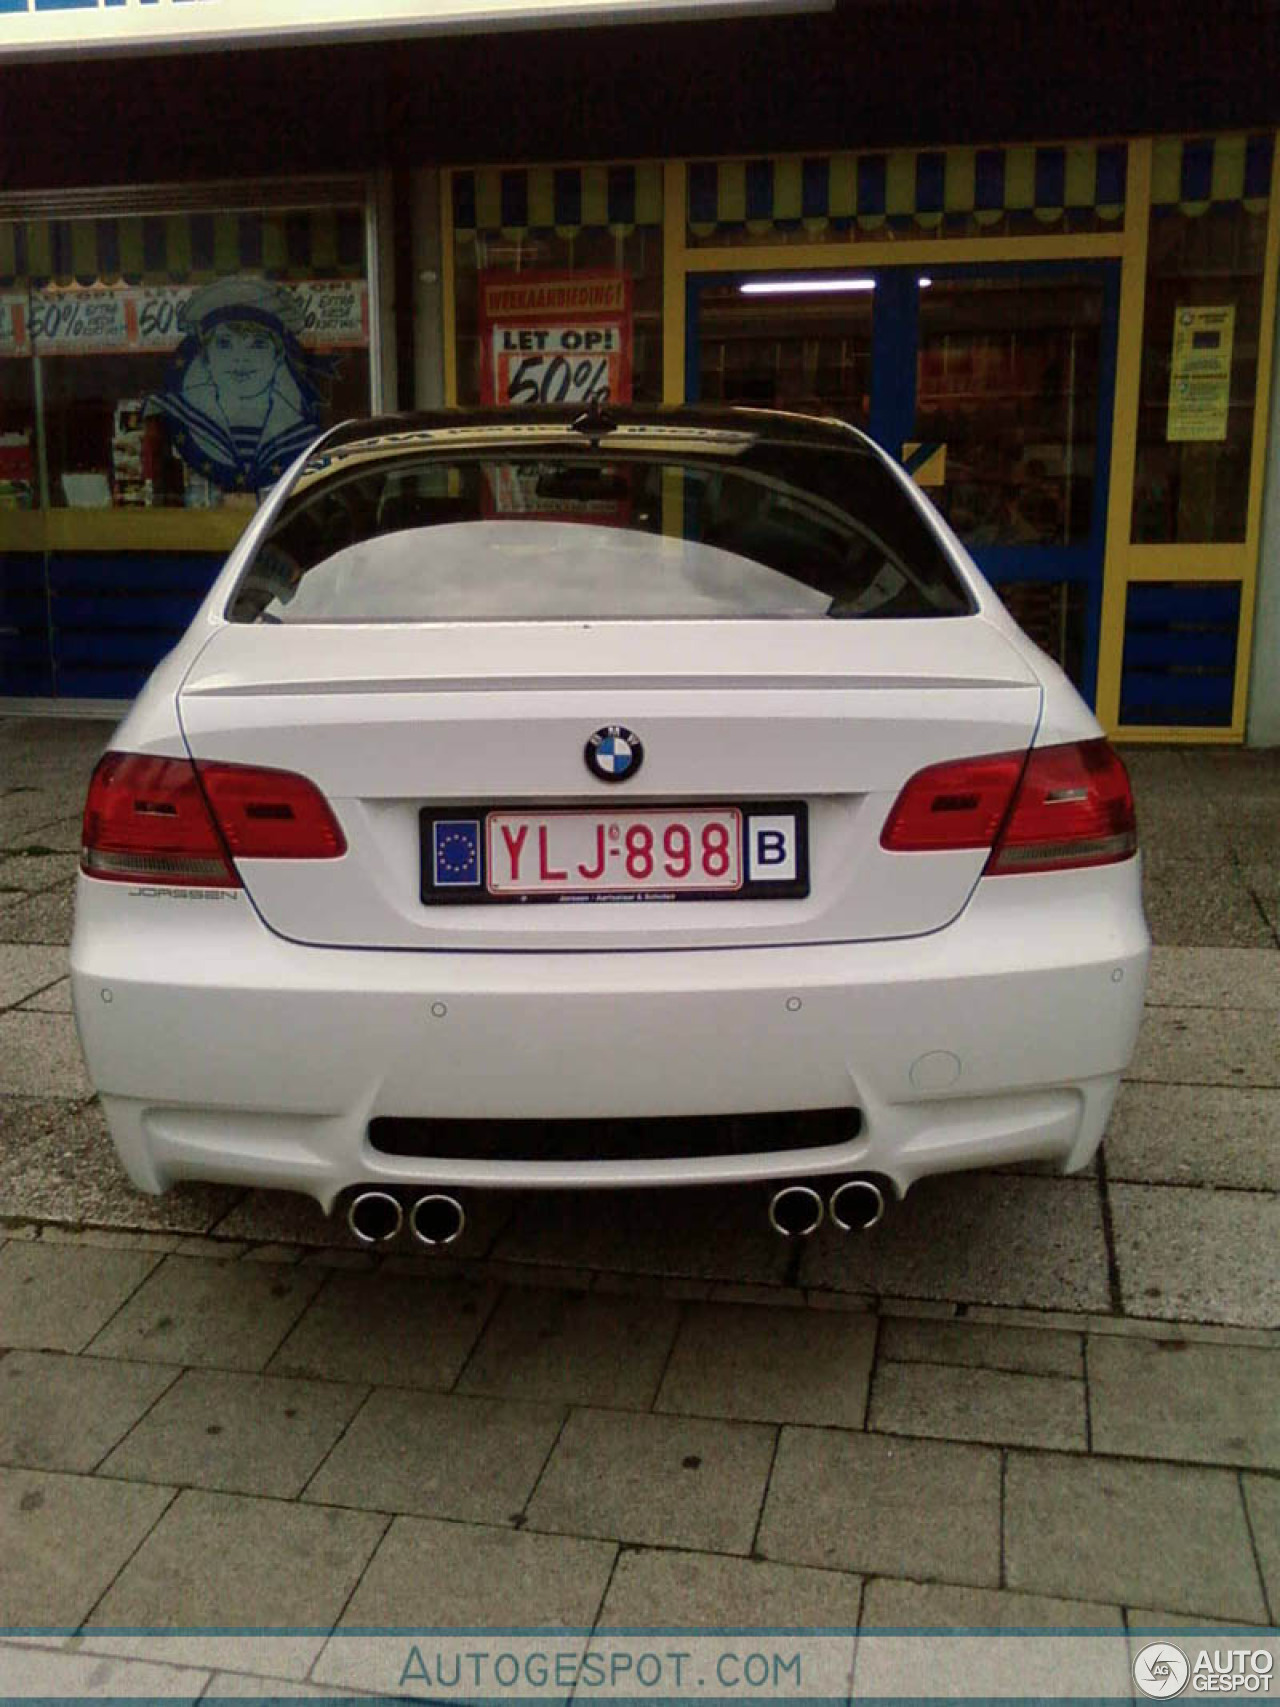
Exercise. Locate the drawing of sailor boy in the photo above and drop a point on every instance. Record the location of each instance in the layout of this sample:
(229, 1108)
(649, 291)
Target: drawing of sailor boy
(242, 397)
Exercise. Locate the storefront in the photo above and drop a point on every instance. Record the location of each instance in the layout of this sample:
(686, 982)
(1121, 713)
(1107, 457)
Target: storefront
(1069, 345)
(1065, 335)
(162, 360)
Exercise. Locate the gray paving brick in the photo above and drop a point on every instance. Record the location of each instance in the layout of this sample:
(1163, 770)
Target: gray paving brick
(1171, 1399)
(65, 1537)
(66, 1413)
(226, 1561)
(40, 1057)
(55, 1000)
(981, 1238)
(1207, 1046)
(224, 1315)
(1193, 1254)
(704, 1234)
(1214, 978)
(34, 872)
(892, 1667)
(587, 1349)
(440, 1455)
(909, 1508)
(57, 1297)
(25, 969)
(46, 918)
(244, 1434)
(1195, 1135)
(653, 1587)
(40, 1673)
(1140, 1534)
(388, 1328)
(890, 1603)
(985, 1345)
(59, 835)
(1202, 905)
(680, 1481)
(951, 1403)
(57, 1163)
(458, 1574)
(1262, 1497)
(736, 1360)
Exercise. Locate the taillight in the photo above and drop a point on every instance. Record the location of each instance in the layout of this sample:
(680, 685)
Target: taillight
(153, 820)
(1047, 810)
(1074, 807)
(956, 805)
(271, 814)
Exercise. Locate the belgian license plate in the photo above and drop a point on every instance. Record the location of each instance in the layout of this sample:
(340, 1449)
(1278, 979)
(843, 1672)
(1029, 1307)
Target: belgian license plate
(703, 852)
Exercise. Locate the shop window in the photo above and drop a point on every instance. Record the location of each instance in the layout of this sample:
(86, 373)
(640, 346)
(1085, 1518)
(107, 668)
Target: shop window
(175, 360)
(1199, 372)
(1055, 615)
(586, 245)
(1007, 399)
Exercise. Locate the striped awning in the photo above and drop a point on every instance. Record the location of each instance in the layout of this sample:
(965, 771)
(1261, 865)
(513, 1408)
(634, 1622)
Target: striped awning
(184, 248)
(563, 199)
(1194, 173)
(921, 185)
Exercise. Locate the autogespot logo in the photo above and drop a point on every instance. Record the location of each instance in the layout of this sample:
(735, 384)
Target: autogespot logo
(1161, 1669)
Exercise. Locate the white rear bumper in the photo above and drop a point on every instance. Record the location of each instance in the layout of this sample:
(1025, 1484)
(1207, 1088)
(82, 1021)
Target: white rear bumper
(223, 1052)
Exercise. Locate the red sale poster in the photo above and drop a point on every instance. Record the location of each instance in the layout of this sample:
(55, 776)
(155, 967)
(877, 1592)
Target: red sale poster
(555, 337)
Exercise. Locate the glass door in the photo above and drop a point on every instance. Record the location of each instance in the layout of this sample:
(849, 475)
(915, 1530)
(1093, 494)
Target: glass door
(994, 385)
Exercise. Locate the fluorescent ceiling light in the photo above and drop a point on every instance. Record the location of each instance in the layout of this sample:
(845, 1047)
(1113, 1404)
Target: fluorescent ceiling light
(803, 287)
(924, 283)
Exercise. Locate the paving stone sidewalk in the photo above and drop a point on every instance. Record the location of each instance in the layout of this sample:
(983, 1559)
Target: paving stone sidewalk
(1024, 1400)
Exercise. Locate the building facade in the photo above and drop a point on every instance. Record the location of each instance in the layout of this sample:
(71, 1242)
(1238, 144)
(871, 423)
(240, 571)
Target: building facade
(1064, 330)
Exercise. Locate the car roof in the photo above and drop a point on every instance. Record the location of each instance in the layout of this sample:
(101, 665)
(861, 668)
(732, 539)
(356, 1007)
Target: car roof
(653, 425)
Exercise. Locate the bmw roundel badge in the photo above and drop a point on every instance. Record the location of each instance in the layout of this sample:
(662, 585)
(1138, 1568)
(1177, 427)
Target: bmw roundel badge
(614, 753)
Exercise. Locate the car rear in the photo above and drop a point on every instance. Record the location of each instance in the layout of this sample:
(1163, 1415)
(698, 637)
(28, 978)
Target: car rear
(657, 802)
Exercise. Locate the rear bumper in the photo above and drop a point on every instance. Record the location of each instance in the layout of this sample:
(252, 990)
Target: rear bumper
(223, 1052)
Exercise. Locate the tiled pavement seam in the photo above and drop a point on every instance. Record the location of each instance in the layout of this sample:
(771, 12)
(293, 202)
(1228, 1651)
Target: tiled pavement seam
(771, 1476)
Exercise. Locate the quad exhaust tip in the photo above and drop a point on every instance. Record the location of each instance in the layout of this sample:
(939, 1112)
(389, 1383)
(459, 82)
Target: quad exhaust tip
(437, 1219)
(857, 1205)
(796, 1211)
(375, 1217)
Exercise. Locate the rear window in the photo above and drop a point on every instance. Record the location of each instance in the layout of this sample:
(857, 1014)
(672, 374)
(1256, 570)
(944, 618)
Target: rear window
(596, 531)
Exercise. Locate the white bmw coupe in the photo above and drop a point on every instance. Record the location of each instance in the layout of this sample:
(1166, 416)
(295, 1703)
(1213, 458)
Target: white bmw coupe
(624, 798)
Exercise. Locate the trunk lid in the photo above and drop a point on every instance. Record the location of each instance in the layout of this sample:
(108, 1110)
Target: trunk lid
(391, 720)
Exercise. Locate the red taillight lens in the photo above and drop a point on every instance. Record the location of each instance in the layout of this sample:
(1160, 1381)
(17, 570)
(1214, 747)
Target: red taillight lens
(146, 821)
(152, 820)
(271, 814)
(1047, 810)
(956, 805)
(1074, 807)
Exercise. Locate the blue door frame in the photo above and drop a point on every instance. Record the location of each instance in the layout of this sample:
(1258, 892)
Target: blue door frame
(895, 335)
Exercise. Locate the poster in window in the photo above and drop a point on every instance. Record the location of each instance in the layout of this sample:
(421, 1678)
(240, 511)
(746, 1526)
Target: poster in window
(1200, 374)
(555, 337)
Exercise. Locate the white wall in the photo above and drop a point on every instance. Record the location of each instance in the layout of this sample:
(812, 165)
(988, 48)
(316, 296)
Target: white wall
(1263, 726)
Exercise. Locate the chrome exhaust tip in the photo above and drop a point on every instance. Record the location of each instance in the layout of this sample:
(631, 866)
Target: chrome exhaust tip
(795, 1211)
(857, 1205)
(436, 1219)
(375, 1217)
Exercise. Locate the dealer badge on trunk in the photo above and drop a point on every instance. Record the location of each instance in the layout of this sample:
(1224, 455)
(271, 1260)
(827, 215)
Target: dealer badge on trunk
(614, 753)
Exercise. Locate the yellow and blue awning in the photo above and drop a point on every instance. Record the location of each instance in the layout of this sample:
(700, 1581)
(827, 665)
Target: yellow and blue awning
(563, 199)
(921, 186)
(1197, 173)
(184, 248)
